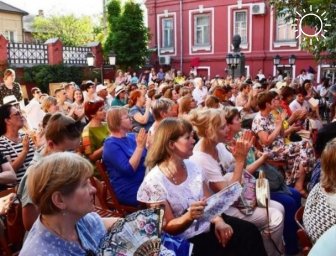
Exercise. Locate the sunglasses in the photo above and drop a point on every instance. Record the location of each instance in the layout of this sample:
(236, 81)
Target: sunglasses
(18, 113)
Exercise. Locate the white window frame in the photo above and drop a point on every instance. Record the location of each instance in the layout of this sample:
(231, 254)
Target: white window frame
(10, 38)
(287, 26)
(171, 35)
(202, 28)
(238, 31)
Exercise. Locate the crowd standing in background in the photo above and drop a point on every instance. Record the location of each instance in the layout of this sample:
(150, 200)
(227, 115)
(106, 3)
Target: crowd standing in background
(173, 139)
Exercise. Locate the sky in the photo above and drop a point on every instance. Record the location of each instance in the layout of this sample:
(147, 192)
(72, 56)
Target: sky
(50, 7)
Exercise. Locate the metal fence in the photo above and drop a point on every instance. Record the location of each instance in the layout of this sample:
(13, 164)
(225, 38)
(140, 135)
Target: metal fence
(75, 55)
(20, 54)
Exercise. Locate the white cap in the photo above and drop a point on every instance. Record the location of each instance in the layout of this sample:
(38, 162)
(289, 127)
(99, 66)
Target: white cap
(119, 89)
(10, 99)
(100, 87)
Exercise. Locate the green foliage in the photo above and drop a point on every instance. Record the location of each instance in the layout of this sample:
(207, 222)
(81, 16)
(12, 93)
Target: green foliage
(128, 36)
(42, 75)
(70, 30)
(321, 48)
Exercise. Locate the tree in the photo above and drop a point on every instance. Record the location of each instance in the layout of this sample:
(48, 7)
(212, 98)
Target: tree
(322, 47)
(70, 30)
(128, 36)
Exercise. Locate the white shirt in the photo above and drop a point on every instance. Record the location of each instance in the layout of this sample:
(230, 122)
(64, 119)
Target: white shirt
(295, 105)
(34, 114)
(200, 94)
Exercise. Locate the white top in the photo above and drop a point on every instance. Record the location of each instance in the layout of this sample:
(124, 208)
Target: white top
(211, 168)
(200, 94)
(295, 105)
(157, 188)
(34, 114)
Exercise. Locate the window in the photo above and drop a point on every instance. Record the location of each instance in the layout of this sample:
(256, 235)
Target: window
(240, 26)
(202, 30)
(10, 36)
(284, 29)
(168, 33)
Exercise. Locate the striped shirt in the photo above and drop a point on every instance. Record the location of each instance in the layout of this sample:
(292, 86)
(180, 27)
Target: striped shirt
(11, 150)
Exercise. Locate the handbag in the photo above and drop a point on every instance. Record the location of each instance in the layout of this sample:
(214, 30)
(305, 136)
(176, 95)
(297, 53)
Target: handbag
(14, 223)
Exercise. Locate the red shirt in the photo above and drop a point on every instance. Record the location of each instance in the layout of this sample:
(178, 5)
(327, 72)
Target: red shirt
(285, 107)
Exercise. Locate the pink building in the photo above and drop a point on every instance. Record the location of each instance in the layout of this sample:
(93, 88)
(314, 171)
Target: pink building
(189, 33)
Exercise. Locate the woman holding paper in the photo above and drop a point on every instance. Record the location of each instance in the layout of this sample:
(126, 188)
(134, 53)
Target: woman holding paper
(178, 184)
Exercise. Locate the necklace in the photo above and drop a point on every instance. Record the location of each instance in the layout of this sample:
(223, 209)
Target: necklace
(73, 238)
(172, 176)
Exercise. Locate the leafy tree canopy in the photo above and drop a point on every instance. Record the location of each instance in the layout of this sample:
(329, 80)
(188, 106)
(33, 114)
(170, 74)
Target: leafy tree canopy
(128, 36)
(322, 47)
(72, 31)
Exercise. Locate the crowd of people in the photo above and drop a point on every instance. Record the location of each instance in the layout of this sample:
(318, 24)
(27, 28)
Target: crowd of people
(173, 140)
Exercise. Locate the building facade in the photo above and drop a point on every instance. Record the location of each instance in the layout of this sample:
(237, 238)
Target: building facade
(193, 33)
(11, 22)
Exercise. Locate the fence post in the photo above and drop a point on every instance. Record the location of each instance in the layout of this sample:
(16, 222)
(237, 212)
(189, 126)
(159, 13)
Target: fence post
(97, 51)
(3, 53)
(55, 51)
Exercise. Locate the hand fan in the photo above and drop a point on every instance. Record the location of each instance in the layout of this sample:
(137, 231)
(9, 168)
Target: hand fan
(138, 234)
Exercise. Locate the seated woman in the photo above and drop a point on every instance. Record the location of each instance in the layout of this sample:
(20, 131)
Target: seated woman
(140, 111)
(299, 155)
(217, 163)
(178, 184)
(15, 146)
(96, 131)
(320, 209)
(66, 225)
(289, 197)
(124, 155)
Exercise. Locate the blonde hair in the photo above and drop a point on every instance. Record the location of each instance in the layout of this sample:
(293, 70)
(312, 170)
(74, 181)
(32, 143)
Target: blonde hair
(160, 105)
(48, 102)
(169, 129)
(60, 172)
(113, 117)
(206, 122)
(328, 163)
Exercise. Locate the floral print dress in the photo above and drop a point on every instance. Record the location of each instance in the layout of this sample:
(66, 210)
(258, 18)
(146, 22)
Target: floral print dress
(294, 153)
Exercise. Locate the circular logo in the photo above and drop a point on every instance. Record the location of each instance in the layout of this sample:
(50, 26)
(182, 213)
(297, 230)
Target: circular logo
(320, 29)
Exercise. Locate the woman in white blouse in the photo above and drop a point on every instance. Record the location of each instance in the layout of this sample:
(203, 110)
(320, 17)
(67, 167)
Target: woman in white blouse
(178, 184)
(221, 167)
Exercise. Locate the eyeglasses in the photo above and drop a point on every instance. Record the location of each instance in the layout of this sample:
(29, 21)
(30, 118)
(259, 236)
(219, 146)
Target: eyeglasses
(223, 171)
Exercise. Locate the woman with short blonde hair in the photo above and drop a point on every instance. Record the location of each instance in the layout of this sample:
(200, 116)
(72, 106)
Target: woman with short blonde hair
(49, 105)
(59, 185)
(113, 118)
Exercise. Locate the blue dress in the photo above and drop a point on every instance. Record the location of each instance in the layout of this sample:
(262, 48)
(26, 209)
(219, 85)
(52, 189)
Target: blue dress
(124, 180)
(40, 241)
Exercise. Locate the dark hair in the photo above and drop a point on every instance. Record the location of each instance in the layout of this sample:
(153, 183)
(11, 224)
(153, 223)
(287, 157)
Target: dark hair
(262, 99)
(61, 127)
(46, 119)
(91, 108)
(4, 114)
(301, 90)
(230, 114)
(273, 94)
(286, 92)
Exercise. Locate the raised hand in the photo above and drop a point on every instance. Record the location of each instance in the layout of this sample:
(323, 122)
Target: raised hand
(141, 138)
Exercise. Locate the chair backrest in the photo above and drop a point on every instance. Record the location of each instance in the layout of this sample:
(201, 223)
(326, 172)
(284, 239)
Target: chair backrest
(111, 198)
(303, 237)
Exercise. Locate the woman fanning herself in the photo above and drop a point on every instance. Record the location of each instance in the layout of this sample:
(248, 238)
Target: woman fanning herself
(217, 162)
(178, 184)
(60, 187)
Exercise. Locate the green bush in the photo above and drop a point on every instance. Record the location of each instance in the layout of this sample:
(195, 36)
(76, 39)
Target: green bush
(42, 75)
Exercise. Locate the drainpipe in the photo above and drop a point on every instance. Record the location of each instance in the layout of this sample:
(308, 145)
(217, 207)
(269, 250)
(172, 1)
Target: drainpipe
(181, 37)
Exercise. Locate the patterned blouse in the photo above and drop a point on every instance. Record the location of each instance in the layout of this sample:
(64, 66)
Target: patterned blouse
(16, 91)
